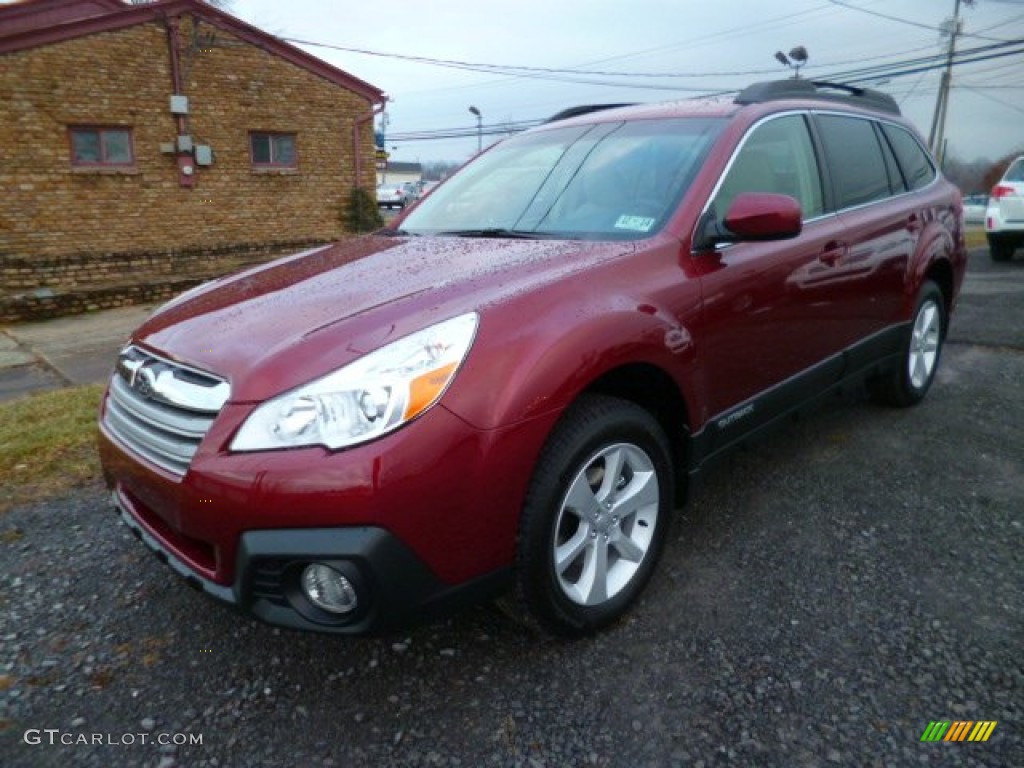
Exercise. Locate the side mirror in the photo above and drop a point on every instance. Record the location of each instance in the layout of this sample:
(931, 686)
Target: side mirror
(753, 216)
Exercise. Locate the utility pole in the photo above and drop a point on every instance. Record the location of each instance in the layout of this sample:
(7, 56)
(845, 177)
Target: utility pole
(936, 135)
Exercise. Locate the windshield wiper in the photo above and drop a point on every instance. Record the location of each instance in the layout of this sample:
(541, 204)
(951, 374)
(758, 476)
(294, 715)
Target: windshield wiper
(394, 233)
(497, 232)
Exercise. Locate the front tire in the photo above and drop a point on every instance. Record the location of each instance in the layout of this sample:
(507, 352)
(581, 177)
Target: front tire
(596, 516)
(909, 383)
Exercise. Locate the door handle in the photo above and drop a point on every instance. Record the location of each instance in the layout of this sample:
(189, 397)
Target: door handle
(833, 252)
(914, 223)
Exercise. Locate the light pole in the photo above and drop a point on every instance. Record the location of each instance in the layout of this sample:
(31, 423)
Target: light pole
(479, 129)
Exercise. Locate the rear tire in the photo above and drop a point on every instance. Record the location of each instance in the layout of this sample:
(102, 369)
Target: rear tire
(596, 516)
(909, 382)
(1000, 249)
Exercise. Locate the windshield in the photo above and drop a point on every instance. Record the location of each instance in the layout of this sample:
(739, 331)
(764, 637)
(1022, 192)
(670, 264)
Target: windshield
(603, 181)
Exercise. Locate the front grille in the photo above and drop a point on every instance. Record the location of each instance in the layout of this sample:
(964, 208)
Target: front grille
(161, 410)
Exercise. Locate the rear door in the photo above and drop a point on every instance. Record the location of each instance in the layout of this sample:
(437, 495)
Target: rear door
(882, 217)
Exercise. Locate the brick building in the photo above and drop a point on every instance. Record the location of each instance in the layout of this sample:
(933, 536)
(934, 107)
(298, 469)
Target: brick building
(145, 148)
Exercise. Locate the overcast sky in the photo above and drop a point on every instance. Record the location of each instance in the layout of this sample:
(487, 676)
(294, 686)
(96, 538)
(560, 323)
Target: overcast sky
(643, 37)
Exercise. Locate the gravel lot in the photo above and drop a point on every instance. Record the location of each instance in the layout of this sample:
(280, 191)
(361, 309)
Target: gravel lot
(833, 590)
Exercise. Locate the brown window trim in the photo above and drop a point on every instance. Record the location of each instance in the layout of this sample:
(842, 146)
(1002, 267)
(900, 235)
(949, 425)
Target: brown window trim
(103, 164)
(292, 166)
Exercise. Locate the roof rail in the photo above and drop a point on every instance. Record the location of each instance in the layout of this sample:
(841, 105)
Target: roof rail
(816, 89)
(584, 109)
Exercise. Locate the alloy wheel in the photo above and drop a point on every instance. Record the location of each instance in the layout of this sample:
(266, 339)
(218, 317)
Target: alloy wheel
(924, 344)
(605, 524)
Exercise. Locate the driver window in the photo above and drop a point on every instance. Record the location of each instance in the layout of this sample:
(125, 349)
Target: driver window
(777, 157)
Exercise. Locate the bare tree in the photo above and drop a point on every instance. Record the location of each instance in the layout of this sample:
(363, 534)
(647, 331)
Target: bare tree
(996, 171)
(436, 170)
(968, 175)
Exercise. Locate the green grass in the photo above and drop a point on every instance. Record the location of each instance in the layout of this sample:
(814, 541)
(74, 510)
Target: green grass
(975, 237)
(48, 444)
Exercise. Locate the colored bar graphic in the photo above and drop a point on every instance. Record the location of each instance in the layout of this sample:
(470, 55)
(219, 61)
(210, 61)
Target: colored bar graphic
(935, 731)
(982, 730)
(959, 730)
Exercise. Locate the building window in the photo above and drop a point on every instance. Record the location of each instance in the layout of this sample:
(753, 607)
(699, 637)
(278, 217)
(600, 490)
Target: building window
(101, 146)
(273, 150)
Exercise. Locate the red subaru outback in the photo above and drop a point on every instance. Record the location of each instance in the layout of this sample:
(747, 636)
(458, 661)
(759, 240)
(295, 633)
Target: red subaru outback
(512, 389)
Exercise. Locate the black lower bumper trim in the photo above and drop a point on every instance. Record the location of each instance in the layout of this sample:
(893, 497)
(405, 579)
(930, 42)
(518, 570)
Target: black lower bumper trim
(395, 588)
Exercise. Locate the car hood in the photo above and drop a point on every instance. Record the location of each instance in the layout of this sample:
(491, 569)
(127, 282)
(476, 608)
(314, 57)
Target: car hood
(279, 325)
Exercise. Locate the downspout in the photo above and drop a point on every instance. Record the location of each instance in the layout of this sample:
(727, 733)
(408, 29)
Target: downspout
(359, 123)
(172, 46)
(186, 165)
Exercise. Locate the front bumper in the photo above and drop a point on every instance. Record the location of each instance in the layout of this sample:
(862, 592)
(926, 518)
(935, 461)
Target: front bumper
(422, 518)
(394, 587)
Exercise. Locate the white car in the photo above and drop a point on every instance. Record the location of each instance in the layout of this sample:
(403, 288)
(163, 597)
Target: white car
(974, 208)
(392, 196)
(1004, 217)
(412, 191)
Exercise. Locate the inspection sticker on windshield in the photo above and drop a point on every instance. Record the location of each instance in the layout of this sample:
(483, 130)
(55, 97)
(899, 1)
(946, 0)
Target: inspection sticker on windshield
(635, 223)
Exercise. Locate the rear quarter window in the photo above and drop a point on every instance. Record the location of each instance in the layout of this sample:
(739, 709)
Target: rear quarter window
(854, 159)
(1016, 171)
(915, 163)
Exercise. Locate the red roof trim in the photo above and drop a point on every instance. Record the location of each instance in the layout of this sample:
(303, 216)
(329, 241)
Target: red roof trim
(35, 14)
(45, 32)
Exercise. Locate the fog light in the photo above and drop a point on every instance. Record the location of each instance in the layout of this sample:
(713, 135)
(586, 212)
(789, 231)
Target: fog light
(328, 589)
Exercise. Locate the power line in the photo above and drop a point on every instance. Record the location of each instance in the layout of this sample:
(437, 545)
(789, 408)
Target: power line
(905, 68)
(587, 77)
(956, 62)
(776, 21)
(512, 69)
(843, 4)
(918, 24)
(990, 97)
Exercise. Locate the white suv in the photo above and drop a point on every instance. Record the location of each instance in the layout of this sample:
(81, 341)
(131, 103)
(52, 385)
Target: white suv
(1004, 218)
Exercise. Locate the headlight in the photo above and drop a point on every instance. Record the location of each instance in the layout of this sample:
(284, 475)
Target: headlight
(367, 398)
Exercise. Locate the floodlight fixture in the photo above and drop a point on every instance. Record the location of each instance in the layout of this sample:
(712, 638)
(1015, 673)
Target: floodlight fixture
(796, 59)
(479, 128)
